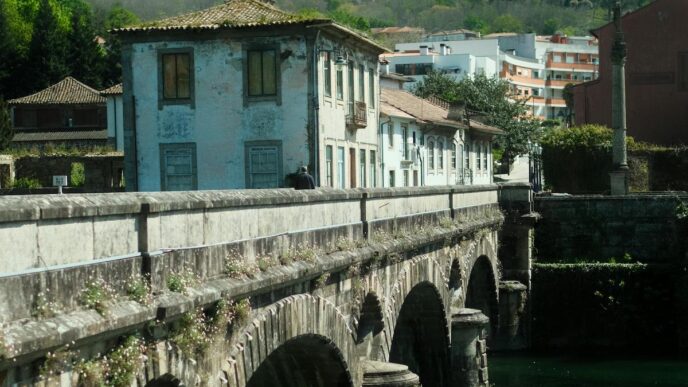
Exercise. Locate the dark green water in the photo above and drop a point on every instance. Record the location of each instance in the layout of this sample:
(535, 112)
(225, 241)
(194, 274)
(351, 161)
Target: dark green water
(563, 371)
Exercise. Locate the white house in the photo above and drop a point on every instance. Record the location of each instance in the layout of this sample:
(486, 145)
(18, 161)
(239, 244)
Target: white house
(426, 142)
(115, 116)
(241, 94)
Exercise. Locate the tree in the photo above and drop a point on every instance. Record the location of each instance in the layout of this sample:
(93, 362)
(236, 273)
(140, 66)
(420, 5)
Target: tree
(46, 60)
(117, 18)
(85, 55)
(437, 84)
(491, 99)
(507, 23)
(6, 130)
(551, 26)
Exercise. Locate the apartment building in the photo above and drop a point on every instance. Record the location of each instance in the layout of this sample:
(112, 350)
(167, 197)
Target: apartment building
(537, 67)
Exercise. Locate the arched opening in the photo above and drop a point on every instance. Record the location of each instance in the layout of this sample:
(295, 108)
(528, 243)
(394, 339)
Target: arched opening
(421, 338)
(455, 285)
(370, 324)
(304, 361)
(481, 293)
(166, 380)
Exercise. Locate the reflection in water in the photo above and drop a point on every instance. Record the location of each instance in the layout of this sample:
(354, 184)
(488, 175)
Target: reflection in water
(525, 370)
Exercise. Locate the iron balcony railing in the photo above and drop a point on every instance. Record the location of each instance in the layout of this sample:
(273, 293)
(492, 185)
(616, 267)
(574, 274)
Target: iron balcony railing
(358, 115)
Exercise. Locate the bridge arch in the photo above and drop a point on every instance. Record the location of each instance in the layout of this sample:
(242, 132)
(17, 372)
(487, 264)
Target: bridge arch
(370, 326)
(421, 336)
(481, 290)
(301, 331)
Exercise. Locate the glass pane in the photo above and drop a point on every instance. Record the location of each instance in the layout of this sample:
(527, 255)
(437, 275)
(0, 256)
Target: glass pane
(183, 76)
(327, 74)
(269, 69)
(340, 84)
(170, 76)
(255, 77)
(371, 88)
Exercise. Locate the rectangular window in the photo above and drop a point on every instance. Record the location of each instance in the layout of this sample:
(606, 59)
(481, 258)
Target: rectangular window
(467, 155)
(262, 73)
(264, 164)
(341, 177)
(371, 87)
(485, 157)
(453, 156)
(373, 169)
(340, 83)
(392, 183)
(440, 153)
(414, 68)
(327, 74)
(431, 154)
(350, 86)
(362, 167)
(405, 141)
(390, 135)
(178, 167)
(361, 83)
(176, 76)
(329, 166)
(406, 178)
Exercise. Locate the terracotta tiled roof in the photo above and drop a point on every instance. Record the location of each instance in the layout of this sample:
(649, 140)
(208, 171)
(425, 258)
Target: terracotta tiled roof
(420, 108)
(60, 135)
(232, 13)
(114, 90)
(66, 92)
(242, 14)
(394, 101)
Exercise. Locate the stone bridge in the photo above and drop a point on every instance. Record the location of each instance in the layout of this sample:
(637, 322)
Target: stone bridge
(263, 288)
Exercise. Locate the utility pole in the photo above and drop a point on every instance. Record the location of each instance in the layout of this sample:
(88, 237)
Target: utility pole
(619, 175)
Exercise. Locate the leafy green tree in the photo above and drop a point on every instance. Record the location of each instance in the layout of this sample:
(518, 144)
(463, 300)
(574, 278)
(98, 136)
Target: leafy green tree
(85, 55)
(46, 60)
(437, 84)
(489, 99)
(476, 24)
(551, 26)
(6, 130)
(117, 18)
(507, 23)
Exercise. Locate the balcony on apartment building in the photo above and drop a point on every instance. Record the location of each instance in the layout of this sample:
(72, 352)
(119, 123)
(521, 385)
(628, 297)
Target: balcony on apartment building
(522, 80)
(357, 117)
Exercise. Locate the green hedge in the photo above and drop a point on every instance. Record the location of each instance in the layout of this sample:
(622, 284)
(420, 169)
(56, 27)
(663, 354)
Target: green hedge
(604, 306)
(578, 160)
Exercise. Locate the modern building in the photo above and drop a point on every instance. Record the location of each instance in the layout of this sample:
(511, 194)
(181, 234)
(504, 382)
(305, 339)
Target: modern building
(242, 94)
(67, 113)
(537, 67)
(426, 142)
(656, 75)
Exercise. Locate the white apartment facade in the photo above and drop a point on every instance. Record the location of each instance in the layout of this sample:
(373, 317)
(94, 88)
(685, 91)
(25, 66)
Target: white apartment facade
(537, 67)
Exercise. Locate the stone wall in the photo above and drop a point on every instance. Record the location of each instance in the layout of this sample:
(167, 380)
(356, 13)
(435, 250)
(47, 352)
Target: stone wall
(603, 227)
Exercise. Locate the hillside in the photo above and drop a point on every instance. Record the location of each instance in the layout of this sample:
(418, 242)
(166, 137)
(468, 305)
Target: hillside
(486, 16)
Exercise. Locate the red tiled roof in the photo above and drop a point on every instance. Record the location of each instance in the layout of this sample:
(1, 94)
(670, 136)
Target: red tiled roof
(232, 13)
(66, 92)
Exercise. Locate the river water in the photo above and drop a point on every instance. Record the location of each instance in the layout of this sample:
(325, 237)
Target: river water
(525, 370)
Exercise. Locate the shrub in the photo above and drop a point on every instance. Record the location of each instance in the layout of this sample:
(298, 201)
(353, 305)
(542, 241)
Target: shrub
(26, 182)
(77, 176)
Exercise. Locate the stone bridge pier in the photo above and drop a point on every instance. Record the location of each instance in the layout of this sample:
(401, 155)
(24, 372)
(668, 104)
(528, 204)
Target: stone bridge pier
(278, 288)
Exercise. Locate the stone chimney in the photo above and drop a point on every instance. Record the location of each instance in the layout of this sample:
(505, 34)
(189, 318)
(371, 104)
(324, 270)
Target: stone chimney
(457, 111)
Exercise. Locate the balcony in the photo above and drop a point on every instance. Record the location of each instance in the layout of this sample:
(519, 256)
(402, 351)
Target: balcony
(522, 80)
(358, 115)
(585, 67)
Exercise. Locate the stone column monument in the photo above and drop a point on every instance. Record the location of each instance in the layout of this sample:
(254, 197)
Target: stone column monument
(619, 176)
